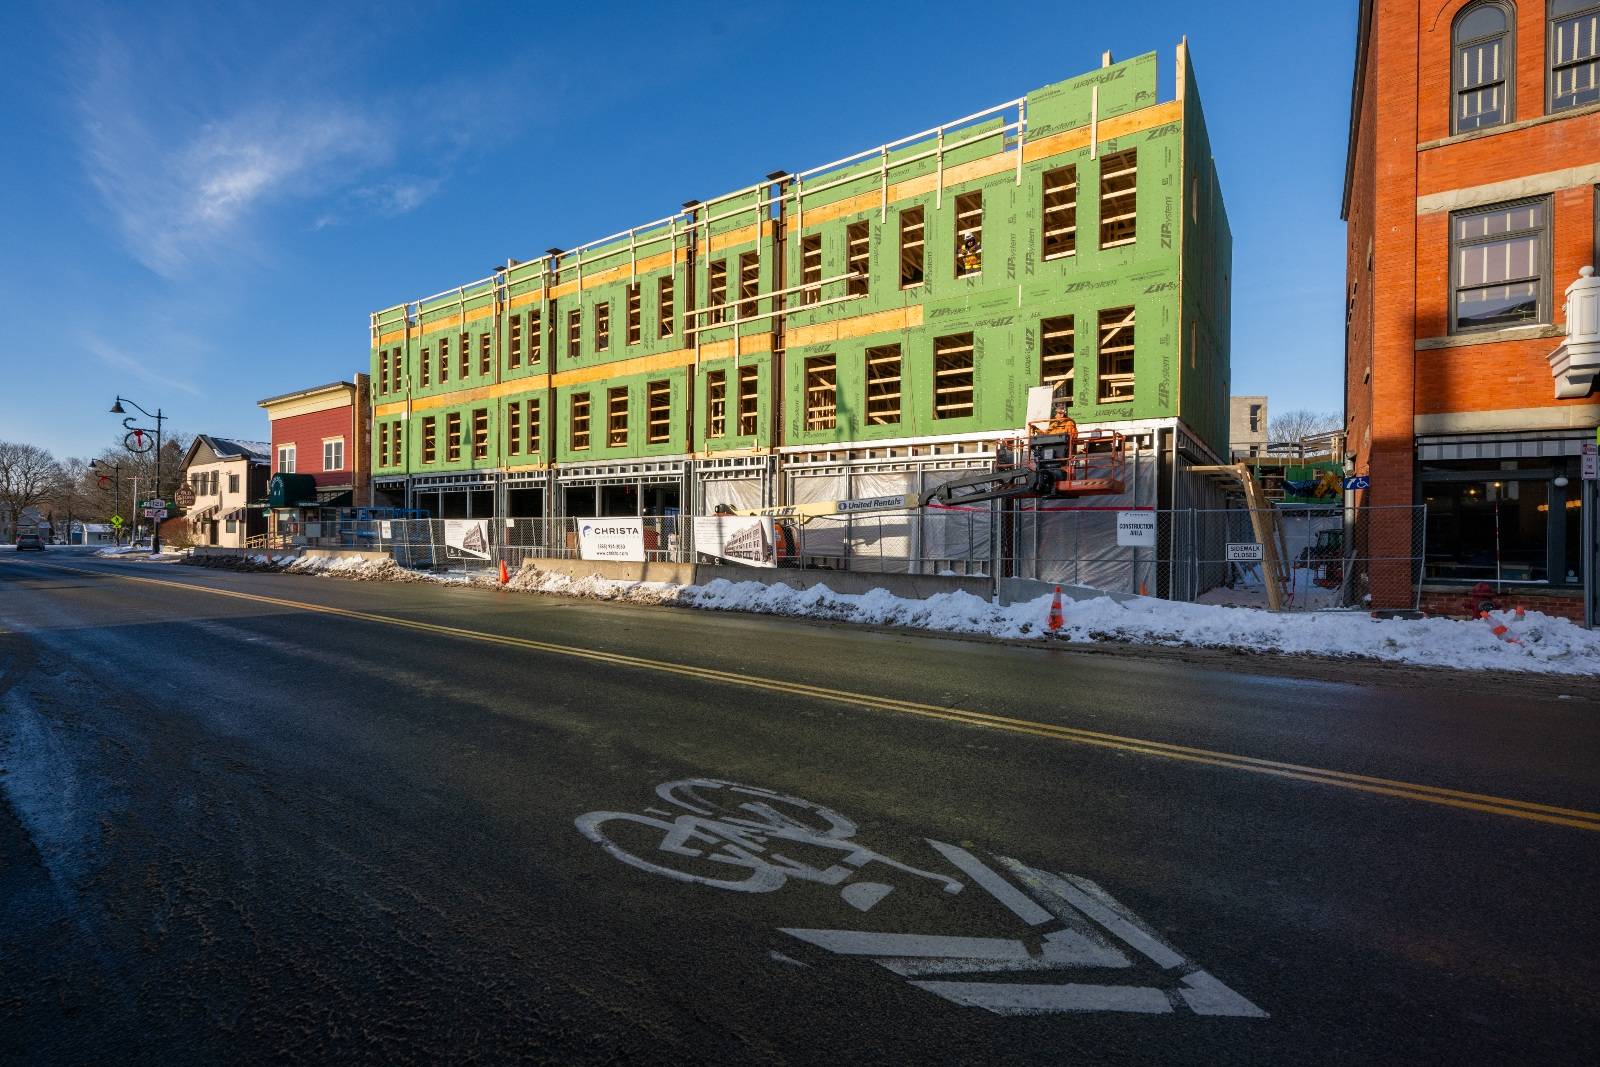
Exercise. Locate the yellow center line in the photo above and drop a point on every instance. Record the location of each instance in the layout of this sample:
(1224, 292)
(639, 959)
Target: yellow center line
(1455, 798)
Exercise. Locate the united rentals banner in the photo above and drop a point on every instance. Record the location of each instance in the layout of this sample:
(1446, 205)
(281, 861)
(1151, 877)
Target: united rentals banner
(617, 539)
(466, 538)
(745, 539)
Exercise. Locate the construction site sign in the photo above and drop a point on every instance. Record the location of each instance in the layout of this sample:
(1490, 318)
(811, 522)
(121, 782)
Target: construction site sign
(1245, 552)
(466, 538)
(744, 539)
(617, 539)
(1136, 529)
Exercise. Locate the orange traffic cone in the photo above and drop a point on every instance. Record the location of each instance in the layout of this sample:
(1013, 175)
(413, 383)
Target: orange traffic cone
(1056, 619)
(505, 575)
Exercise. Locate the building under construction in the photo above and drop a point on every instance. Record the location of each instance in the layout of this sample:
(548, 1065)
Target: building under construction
(868, 326)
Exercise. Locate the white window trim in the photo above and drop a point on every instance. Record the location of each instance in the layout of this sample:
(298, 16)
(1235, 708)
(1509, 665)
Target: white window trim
(326, 441)
(286, 466)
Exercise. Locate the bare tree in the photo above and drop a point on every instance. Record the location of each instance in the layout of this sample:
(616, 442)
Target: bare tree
(28, 475)
(1294, 427)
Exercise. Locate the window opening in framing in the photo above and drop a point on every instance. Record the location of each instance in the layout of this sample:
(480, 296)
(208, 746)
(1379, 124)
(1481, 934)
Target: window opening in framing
(514, 347)
(969, 234)
(717, 290)
(811, 268)
(430, 439)
(658, 412)
(397, 444)
(383, 371)
(383, 444)
(912, 246)
(717, 404)
(574, 332)
(858, 257)
(485, 353)
(749, 283)
(579, 421)
(480, 433)
(535, 336)
(1116, 355)
(883, 385)
(464, 354)
(452, 437)
(953, 396)
(822, 392)
(1119, 189)
(749, 397)
(1055, 356)
(664, 307)
(635, 314)
(1060, 212)
(534, 407)
(426, 366)
(444, 360)
(602, 326)
(514, 428)
(617, 417)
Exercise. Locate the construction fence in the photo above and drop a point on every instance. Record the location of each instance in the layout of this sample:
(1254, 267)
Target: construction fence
(1320, 558)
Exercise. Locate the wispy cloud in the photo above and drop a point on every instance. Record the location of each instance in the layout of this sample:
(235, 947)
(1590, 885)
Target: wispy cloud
(187, 176)
(119, 359)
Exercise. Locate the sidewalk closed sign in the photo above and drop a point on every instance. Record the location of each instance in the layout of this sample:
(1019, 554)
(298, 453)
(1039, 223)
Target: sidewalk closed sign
(1244, 552)
(1136, 529)
(618, 539)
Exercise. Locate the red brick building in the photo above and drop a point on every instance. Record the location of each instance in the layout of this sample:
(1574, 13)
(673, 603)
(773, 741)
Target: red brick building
(325, 432)
(1471, 191)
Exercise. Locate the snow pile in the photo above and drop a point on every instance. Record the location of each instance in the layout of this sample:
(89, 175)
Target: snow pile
(358, 569)
(141, 555)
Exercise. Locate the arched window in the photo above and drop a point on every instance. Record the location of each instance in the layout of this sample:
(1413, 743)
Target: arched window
(1574, 53)
(1482, 78)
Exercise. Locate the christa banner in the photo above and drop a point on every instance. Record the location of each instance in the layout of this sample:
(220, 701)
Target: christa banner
(619, 539)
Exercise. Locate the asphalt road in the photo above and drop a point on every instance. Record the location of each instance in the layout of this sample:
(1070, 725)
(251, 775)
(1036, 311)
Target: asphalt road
(252, 817)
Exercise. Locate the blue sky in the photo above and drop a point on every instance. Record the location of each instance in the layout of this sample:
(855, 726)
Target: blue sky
(203, 202)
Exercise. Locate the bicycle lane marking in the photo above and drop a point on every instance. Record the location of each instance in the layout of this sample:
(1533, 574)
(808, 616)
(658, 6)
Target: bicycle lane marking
(1072, 928)
(1461, 799)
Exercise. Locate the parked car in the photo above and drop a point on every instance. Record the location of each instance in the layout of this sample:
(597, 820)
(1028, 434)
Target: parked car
(30, 542)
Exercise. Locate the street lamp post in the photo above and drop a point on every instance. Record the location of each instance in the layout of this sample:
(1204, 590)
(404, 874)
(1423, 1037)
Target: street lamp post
(116, 496)
(136, 432)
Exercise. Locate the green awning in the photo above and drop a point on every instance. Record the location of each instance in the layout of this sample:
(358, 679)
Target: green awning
(291, 490)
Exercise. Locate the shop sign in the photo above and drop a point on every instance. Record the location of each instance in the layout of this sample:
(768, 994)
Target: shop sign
(614, 539)
(743, 539)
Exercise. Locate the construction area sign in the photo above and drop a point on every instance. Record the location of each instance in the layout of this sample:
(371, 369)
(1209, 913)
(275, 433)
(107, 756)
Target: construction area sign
(1136, 529)
(1244, 552)
(615, 539)
(466, 538)
(743, 539)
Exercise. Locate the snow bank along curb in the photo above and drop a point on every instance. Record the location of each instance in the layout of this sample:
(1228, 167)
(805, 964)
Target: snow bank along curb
(1542, 643)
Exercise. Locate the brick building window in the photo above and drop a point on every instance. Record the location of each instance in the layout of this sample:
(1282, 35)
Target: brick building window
(658, 426)
(912, 246)
(1499, 266)
(430, 438)
(1119, 198)
(1481, 80)
(953, 364)
(617, 417)
(1116, 356)
(883, 385)
(1574, 51)
(857, 258)
(822, 393)
(749, 399)
(1060, 212)
(1056, 344)
(717, 403)
(578, 423)
(452, 437)
(480, 433)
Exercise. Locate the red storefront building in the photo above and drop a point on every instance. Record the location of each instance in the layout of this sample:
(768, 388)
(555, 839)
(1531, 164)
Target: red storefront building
(1471, 192)
(323, 434)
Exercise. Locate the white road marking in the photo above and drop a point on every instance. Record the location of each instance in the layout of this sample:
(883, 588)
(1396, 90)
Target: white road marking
(1007, 999)
(1207, 996)
(1099, 906)
(863, 895)
(862, 943)
(1021, 906)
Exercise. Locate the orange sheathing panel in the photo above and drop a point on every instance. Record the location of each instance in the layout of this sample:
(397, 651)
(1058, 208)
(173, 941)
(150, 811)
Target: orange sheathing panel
(601, 277)
(860, 326)
(466, 396)
(743, 235)
(1120, 126)
(638, 365)
(760, 342)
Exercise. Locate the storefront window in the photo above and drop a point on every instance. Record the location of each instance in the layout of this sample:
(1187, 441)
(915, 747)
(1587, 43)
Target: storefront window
(1509, 523)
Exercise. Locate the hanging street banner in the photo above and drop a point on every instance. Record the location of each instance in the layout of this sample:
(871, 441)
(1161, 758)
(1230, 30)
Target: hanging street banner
(744, 539)
(1136, 529)
(466, 538)
(616, 539)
